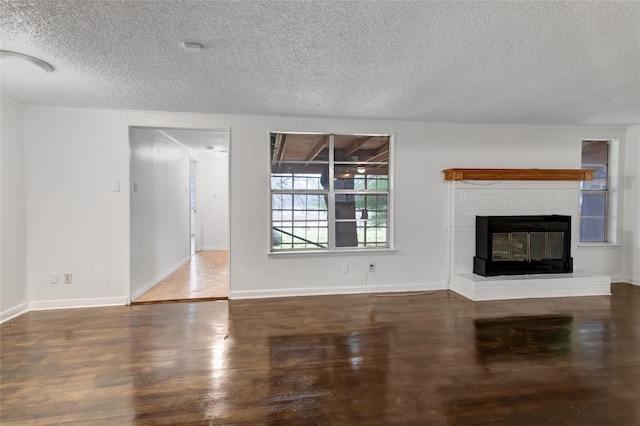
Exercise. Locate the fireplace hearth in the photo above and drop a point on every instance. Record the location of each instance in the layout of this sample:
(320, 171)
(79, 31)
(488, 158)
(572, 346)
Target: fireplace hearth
(521, 245)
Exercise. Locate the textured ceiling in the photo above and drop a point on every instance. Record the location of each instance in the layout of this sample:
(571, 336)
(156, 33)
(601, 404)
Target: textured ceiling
(555, 63)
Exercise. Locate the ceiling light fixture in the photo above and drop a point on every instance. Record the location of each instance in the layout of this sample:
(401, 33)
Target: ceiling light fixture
(47, 67)
(361, 169)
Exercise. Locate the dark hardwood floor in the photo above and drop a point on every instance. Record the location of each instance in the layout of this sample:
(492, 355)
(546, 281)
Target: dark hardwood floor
(419, 359)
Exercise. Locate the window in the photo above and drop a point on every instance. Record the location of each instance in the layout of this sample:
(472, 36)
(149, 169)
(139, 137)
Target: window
(329, 191)
(192, 192)
(594, 195)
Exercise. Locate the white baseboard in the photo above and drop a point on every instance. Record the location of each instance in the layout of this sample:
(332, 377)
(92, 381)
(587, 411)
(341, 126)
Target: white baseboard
(324, 291)
(152, 283)
(634, 281)
(14, 312)
(621, 279)
(41, 305)
(394, 288)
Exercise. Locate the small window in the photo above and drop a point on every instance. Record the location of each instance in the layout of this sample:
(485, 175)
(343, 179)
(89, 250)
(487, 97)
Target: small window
(329, 191)
(192, 192)
(594, 195)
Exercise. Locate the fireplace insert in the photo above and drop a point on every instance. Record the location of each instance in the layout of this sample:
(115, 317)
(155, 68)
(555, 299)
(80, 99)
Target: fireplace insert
(520, 245)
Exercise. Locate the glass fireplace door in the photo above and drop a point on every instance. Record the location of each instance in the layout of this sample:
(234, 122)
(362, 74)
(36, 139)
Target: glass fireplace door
(524, 246)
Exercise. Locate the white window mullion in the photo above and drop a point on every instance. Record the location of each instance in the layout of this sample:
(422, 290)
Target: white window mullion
(331, 199)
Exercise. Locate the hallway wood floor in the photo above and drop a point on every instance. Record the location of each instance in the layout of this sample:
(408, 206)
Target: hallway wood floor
(205, 276)
(417, 359)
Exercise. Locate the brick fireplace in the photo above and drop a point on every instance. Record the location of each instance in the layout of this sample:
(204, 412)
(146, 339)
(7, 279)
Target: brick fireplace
(472, 198)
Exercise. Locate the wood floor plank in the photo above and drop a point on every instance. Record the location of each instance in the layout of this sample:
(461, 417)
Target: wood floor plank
(204, 277)
(419, 359)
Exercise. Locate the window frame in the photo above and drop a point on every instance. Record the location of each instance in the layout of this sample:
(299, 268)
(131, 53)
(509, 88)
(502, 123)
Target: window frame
(605, 192)
(331, 193)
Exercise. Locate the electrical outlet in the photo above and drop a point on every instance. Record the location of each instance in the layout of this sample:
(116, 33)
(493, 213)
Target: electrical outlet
(67, 278)
(372, 267)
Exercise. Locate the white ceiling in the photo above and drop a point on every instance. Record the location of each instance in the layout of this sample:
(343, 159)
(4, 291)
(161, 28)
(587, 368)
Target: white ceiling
(552, 63)
(204, 141)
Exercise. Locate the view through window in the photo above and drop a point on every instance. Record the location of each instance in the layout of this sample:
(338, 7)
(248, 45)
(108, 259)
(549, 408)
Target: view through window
(329, 191)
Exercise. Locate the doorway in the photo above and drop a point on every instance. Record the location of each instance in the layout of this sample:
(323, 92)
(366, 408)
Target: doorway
(179, 211)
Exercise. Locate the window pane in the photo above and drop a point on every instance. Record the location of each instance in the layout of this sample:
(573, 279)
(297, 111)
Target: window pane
(592, 229)
(358, 206)
(303, 148)
(299, 206)
(299, 177)
(362, 233)
(599, 181)
(593, 204)
(344, 177)
(292, 235)
(299, 221)
(192, 192)
(361, 148)
(372, 178)
(372, 234)
(361, 220)
(378, 182)
(594, 152)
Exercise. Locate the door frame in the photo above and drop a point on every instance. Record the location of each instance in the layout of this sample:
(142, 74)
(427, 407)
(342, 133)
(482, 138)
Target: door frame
(169, 127)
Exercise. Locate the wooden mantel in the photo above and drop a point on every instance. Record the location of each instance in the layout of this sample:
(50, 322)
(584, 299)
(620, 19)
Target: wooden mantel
(518, 174)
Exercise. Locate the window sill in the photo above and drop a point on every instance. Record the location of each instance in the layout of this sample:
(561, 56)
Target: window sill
(330, 252)
(599, 245)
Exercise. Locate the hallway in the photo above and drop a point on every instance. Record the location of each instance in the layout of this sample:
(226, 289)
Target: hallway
(204, 277)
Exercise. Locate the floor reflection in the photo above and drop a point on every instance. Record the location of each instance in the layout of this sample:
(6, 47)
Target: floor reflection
(537, 335)
(315, 376)
(425, 359)
(528, 363)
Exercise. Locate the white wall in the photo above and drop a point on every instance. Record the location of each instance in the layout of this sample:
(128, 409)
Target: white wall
(58, 139)
(13, 237)
(160, 214)
(213, 190)
(76, 222)
(632, 204)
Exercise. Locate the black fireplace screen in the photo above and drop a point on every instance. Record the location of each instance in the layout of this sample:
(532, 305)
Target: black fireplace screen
(525, 246)
(513, 245)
